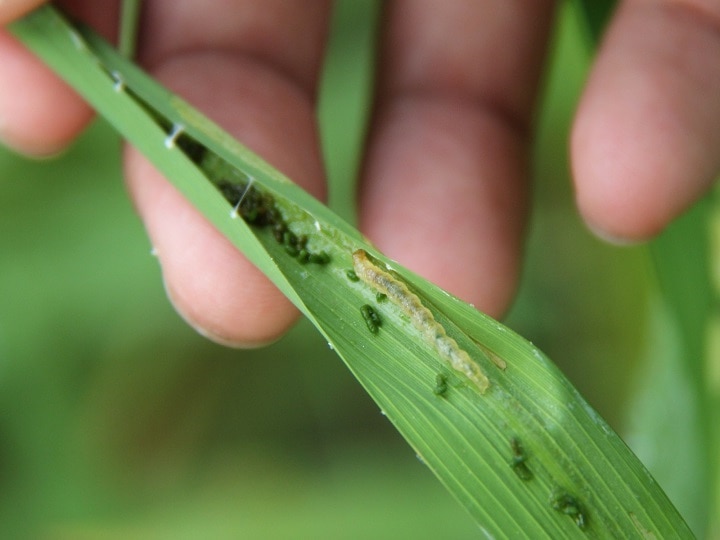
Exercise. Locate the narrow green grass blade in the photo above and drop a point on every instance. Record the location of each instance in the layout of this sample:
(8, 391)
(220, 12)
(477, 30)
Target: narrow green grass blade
(129, 20)
(522, 451)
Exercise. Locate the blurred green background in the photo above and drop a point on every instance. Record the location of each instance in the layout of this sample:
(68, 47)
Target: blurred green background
(118, 421)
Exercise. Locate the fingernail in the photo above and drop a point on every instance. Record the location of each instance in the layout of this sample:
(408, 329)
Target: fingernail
(27, 149)
(6, 138)
(610, 238)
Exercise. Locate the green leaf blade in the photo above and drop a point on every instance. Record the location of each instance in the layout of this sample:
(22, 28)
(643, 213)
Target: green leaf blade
(584, 480)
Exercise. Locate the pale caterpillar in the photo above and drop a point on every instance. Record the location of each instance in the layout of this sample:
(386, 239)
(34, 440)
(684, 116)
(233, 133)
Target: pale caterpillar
(421, 317)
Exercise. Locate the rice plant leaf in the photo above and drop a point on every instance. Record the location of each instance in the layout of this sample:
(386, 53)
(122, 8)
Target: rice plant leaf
(487, 412)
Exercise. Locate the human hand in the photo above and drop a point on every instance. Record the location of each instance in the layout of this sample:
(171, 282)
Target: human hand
(446, 161)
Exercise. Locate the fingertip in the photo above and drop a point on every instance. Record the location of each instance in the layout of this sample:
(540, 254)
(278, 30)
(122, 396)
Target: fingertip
(612, 188)
(220, 319)
(627, 192)
(39, 114)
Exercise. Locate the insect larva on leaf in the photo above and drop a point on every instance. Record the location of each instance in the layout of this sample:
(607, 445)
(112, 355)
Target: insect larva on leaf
(372, 319)
(567, 504)
(440, 385)
(422, 318)
(519, 460)
(321, 258)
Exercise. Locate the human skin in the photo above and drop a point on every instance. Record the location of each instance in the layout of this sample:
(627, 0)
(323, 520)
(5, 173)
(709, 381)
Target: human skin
(449, 139)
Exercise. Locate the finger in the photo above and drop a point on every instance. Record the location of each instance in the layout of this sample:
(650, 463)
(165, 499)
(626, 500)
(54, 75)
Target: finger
(253, 68)
(646, 140)
(39, 113)
(444, 187)
(14, 9)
